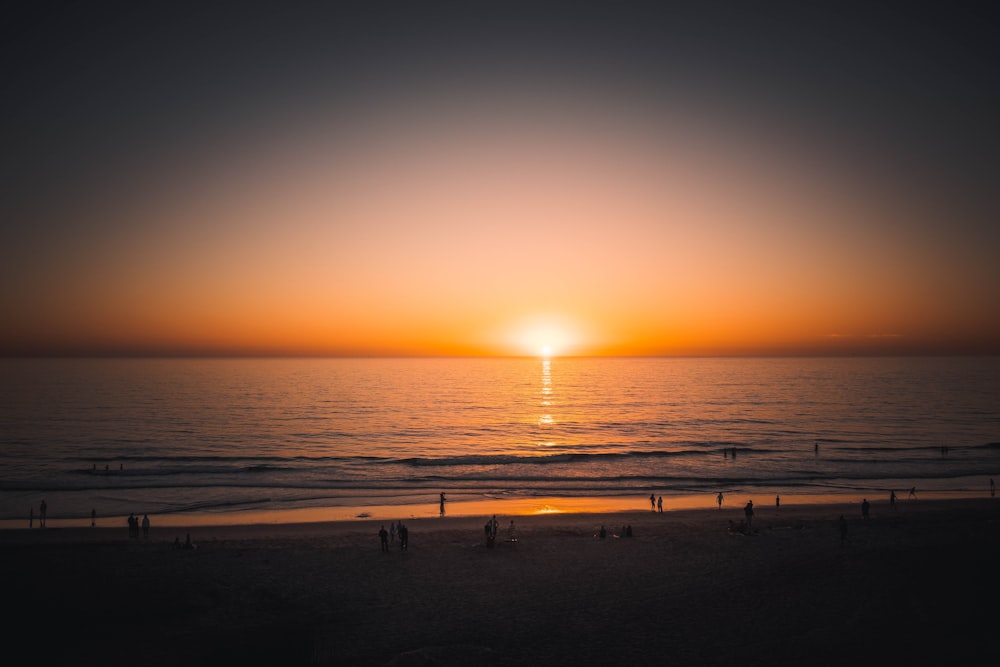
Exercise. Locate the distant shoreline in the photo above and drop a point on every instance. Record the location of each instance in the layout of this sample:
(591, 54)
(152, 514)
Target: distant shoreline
(516, 507)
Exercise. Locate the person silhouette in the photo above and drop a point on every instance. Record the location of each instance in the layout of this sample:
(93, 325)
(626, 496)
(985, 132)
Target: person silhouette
(42, 511)
(404, 537)
(442, 503)
(652, 502)
(603, 533)
(383, 536)
(93, 518)
(145, 526)
(659, 504)
(913, 492)
(718, 499)
(864, 508)
(748, 511)
(777, 501)
(993, 489)
(892, 498)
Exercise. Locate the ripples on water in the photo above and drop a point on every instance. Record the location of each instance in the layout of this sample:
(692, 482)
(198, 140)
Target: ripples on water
(182, 435)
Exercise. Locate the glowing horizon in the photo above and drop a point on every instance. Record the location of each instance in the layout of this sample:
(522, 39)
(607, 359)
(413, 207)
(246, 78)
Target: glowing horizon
(490, 208)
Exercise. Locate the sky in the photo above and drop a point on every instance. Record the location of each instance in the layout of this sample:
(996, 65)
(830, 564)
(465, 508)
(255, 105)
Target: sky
(491, 178)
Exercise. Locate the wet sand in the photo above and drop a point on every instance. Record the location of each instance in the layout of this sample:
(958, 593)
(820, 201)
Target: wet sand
(915, 584)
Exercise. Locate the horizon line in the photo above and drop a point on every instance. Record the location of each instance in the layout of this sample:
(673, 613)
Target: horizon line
(291, 355)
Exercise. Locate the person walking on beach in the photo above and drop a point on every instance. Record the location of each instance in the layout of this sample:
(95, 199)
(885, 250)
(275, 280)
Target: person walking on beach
(442, 503)
(718, 499)
(864, 508)
(659, 504)
(652, 503)
(392, 532)
(42, 510)
(145, 526)
(488, 533)
(93, 518)
(404, 536)
(892, 498)
(748, 512)
(777, 501)
(913, 492)
(383, 536)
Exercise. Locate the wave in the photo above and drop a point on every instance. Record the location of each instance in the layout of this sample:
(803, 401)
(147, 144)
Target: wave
(142, 465)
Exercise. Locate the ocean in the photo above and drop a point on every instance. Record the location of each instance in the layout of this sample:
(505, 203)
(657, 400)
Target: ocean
(239, 440)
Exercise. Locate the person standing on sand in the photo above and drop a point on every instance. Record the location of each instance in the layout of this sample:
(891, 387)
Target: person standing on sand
(93, 518)
(993, 489)
(718, 498)
(659, 504)
(777, 501)
(864, 508)
(892, 498)
(748, 511)
(383, 536)
(31, 517)
(145, 526)
(652, 503)
(442, 503)
(392, 532)
(404, 536)
(42, 510)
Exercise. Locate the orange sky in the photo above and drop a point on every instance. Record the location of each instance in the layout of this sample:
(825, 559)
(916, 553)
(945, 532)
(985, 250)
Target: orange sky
(471, 221)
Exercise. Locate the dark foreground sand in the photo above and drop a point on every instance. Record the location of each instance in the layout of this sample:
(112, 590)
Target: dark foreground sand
(917, 585)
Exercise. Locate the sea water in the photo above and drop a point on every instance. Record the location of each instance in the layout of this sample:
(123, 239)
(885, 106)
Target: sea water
(378, 437)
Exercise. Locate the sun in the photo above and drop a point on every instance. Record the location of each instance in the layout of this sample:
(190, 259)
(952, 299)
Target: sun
(542, 336)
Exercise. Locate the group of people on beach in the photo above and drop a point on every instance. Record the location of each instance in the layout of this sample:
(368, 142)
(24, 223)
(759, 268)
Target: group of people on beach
(398, 528)
(43, 510)
(134, 524)
(655, 504)
(602, 533)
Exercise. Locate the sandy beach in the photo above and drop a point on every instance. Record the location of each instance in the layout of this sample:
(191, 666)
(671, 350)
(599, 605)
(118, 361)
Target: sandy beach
(915, 584)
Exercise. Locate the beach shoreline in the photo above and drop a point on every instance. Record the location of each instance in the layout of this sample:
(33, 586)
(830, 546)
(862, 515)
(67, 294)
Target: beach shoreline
(514, 506)
(684, 587)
